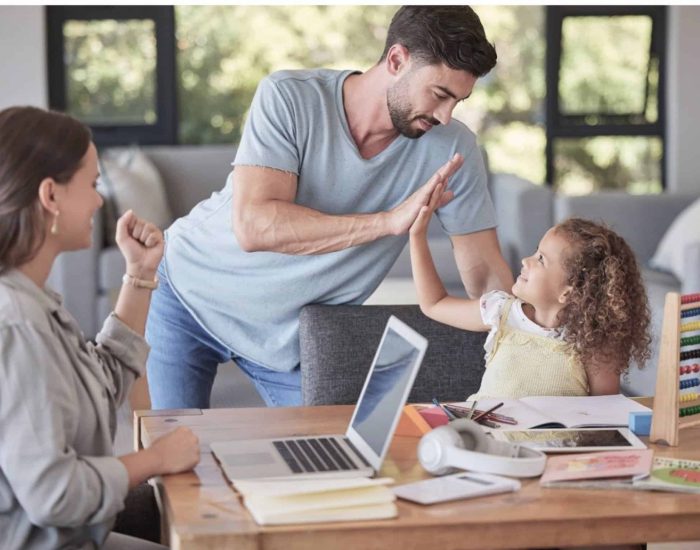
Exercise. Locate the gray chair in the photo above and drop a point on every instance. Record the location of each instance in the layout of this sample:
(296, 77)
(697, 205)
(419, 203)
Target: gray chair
(338, 344)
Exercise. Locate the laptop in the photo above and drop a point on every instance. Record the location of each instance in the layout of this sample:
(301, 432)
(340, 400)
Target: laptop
(358, 453)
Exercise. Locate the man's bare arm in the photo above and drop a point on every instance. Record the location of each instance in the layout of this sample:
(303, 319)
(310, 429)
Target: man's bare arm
(480, 263)
(265, 217)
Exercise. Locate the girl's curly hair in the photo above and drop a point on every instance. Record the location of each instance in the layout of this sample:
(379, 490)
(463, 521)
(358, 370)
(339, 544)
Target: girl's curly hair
(606, 317)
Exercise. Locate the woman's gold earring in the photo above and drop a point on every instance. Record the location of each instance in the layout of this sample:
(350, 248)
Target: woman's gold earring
(54, 225)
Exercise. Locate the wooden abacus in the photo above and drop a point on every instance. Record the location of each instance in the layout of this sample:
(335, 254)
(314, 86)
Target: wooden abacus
(678, 374)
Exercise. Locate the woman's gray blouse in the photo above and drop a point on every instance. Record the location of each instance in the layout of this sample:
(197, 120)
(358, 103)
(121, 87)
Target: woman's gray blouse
(60, 485)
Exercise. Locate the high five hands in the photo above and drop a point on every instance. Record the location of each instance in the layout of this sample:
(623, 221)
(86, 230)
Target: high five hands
(414, 213)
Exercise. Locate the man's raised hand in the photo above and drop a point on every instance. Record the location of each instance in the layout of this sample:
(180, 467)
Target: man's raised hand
(404, 215)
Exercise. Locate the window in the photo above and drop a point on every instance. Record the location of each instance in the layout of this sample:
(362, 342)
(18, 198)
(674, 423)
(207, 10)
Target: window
(113, 68)
(605, 116)
(506, 109)
(224, 51)
(579, 106)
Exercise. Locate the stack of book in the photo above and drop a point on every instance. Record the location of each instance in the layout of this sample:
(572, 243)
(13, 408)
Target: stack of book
(606, 470)
(634, 469)
(278, 502)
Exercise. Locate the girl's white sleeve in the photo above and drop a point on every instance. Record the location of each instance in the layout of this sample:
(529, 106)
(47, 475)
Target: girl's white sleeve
(491, 306)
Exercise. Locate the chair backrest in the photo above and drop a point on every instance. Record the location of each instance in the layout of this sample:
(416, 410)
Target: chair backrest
(338, 344)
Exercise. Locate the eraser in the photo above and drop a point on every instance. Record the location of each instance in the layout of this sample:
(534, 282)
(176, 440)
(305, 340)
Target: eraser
(434, 416)
(640, 422)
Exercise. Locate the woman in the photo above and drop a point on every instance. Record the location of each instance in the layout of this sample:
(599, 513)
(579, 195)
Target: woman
(60, 485)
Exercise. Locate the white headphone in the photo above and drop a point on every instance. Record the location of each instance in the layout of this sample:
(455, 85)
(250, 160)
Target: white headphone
(462, 444)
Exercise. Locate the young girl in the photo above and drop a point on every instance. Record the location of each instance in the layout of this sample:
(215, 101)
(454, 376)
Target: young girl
(60, 485)
(577, 314)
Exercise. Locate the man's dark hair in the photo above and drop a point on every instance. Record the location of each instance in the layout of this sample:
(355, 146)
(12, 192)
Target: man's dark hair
(452, 35)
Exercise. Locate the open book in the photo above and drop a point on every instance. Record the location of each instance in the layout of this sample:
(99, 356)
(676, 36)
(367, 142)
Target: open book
(565, 412)
(278, 502)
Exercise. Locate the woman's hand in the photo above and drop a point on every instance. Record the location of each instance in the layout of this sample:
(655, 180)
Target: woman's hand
(141, 243)
(177, 451)
(174, 452)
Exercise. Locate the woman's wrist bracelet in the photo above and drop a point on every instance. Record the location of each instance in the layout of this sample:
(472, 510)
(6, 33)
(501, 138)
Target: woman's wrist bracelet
(140, 283)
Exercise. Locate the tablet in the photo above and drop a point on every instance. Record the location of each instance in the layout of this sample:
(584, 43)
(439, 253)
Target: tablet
(570, 441)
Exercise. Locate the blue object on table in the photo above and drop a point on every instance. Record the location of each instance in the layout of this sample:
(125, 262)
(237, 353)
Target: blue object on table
(448, 412)
(640, 422)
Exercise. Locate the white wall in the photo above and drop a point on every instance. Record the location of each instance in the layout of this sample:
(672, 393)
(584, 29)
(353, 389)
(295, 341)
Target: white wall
(23, 75)
(23, 80)
(683, 102)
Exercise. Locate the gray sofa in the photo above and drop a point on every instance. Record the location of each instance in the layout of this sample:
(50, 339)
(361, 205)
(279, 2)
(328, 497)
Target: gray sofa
(89, 279)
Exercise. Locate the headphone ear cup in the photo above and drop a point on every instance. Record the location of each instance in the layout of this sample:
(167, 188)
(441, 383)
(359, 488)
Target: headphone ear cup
(471, 434)
(432, 449)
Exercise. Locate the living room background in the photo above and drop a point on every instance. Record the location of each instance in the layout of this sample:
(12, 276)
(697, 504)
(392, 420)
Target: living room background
(23, 33)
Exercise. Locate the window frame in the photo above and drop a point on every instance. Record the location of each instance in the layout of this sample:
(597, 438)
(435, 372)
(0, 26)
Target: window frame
(164, 131)
(559, 125)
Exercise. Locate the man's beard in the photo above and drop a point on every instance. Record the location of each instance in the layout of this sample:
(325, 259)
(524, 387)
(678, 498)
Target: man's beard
(400, 112)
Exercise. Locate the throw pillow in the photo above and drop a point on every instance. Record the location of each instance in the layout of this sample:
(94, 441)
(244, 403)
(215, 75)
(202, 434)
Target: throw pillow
(129, 180)
(684, 230)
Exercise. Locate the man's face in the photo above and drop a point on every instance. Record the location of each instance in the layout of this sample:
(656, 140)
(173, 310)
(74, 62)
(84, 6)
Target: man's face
(425, 96)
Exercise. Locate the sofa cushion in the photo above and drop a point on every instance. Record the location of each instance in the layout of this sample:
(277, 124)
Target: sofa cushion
(443, 257)
(110, 269)
(524, 214)
(643, 381)
(129, 180)
(684, 230)
(639, 219)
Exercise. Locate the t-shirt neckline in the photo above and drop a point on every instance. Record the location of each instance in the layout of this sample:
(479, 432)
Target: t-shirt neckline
(346, 126)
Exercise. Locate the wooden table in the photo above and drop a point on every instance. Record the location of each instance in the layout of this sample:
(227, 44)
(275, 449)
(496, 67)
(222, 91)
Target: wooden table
(201, 510)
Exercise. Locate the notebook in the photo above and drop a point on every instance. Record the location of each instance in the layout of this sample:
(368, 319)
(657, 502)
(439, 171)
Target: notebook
(361, 450)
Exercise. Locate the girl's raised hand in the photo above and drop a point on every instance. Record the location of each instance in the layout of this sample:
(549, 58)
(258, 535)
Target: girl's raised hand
(420, 225)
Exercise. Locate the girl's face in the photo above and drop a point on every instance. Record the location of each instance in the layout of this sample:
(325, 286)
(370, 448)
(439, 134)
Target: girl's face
(542, 280)
(77, 201)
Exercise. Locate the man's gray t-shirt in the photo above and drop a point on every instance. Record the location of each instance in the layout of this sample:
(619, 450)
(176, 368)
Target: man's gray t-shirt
(250, 301)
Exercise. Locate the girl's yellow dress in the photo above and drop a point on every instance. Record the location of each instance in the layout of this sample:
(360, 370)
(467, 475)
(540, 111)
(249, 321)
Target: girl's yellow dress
(522, 364)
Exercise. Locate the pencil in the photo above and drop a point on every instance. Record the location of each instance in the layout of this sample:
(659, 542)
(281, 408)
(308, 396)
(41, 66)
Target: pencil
(463, 412)
(483, 414)
(449, 413)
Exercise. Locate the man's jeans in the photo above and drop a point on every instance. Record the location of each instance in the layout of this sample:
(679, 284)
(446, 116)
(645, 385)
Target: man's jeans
(184, 358)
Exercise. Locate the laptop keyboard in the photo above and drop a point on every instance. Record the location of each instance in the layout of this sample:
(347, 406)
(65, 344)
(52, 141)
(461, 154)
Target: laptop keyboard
(320, 454)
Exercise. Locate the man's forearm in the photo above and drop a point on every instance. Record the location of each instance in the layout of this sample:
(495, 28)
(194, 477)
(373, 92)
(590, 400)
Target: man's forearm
(480, 263)
(486, 277)
(282, 226)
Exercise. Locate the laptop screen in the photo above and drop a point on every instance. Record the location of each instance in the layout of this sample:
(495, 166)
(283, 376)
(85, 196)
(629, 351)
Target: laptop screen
(388, 385)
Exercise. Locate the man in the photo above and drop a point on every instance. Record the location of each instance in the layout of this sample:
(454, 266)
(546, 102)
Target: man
(330, 174)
